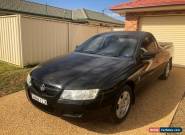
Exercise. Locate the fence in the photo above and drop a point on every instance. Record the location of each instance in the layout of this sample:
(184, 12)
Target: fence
(31, 40)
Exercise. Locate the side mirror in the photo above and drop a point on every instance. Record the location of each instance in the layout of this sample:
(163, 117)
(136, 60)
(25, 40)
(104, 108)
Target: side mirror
(147, 55)
(77, 46)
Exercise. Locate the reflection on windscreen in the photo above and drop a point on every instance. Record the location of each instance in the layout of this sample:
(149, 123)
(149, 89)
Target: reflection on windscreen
(114, 46)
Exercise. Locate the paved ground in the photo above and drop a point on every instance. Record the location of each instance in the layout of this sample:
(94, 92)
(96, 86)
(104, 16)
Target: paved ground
(155, 106)
(179, 117)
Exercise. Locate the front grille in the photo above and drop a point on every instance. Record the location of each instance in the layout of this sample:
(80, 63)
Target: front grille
(50, 91)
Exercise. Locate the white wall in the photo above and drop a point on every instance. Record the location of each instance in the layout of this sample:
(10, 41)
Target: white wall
(10, 40)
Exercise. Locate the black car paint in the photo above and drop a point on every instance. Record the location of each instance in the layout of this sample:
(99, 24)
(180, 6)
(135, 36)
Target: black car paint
(83, 71)
(78, 71)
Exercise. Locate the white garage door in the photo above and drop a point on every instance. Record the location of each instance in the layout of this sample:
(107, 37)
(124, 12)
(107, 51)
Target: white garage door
(168, 29)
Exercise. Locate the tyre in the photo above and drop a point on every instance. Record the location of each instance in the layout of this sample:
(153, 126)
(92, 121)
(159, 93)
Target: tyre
(122, 105)
(166, 71)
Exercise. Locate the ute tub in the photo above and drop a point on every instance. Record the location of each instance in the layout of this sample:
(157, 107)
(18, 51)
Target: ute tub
(167, 46)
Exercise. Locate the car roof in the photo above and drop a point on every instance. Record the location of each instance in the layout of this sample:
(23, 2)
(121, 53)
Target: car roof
(137, 34)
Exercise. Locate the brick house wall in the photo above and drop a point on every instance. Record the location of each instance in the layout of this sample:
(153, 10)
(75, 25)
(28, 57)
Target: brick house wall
(131, 22)
(132, 19)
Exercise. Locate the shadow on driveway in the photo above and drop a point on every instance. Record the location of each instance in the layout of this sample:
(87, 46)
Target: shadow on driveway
(153, 102)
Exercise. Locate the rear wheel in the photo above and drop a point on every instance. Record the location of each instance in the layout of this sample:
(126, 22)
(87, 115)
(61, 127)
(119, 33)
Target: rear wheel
(122, 105)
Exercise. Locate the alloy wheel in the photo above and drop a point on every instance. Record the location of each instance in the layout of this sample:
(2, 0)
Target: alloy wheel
(123, 104)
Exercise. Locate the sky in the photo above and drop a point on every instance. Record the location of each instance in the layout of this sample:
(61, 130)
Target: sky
(97, 5)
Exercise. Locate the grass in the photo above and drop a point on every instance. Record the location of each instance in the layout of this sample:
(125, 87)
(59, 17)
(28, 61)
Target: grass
(12, 78)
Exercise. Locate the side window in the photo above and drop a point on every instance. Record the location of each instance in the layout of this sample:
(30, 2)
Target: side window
(149, 45)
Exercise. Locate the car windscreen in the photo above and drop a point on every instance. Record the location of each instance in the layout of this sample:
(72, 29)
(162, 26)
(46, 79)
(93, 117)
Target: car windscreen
(113, 46)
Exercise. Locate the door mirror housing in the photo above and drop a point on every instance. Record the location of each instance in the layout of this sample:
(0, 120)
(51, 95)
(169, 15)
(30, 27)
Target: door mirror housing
(147, 55)
(77, 46)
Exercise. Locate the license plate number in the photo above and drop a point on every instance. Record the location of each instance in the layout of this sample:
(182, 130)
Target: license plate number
(39, 99)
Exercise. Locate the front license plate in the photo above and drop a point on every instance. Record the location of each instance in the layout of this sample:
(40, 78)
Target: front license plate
(39, 99)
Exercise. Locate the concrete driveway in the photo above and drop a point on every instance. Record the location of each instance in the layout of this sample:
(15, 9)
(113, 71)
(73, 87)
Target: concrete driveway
(155, 106)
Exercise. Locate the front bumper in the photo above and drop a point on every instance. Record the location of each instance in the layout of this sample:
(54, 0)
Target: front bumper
(70, 108)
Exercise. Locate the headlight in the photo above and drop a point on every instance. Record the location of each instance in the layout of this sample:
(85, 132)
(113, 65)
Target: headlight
(28, 80)
(79, 94)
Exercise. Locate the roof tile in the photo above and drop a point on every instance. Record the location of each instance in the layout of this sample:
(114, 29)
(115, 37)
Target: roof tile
(147, 3)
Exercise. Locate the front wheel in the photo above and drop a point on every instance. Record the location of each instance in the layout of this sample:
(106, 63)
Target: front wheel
(122, 105)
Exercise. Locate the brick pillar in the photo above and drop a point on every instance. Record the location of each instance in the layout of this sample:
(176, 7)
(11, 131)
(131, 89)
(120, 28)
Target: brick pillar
(131, 22)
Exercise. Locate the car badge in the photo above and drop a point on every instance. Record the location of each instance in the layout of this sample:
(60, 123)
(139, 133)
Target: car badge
(43, 88)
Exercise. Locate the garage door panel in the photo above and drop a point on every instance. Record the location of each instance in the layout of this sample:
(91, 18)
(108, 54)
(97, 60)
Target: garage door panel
(168, 29)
